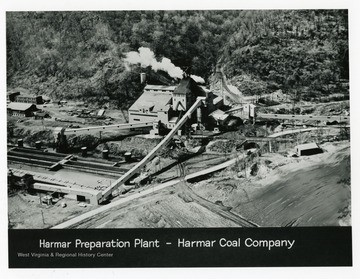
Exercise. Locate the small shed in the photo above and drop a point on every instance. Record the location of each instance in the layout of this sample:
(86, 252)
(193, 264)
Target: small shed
(101, 113)
(41, 114)
(219, 116)
(308, 149)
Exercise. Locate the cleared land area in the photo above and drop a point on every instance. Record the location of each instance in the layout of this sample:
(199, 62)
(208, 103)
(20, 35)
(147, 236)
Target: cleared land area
(287, 191)
(309, 191)
(26, 212)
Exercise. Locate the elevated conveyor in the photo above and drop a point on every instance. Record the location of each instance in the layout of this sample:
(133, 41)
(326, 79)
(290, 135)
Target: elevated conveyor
(288, 132)
(107, 192)
(228, 90)
(338, 118)
(69, 131)
(60, 133)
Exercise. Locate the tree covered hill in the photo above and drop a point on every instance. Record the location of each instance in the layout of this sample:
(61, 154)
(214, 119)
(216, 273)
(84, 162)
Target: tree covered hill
(80, 55)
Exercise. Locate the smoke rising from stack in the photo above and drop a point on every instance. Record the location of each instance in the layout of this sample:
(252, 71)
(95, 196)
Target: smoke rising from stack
(146, 57)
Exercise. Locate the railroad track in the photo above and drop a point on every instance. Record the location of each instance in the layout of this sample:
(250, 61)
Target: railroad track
(47, 160)
(88, 216)
(218, 209)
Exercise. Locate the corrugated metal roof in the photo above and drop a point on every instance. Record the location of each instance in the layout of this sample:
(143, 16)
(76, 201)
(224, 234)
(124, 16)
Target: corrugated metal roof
(20, 106)
(155, 101)
(219, 115)
(160, 87)
(305, 146)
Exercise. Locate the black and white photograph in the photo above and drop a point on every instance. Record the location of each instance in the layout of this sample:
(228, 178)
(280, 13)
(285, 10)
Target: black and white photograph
(170, 120)
(166, 119)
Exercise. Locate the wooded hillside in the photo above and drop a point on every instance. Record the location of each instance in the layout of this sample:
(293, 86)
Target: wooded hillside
(80, 55)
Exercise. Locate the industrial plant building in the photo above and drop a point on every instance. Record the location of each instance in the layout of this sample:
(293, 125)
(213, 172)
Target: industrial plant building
(167, 104)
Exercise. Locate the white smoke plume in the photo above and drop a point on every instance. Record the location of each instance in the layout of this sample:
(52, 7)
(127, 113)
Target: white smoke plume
(145, 57)
(198, 79)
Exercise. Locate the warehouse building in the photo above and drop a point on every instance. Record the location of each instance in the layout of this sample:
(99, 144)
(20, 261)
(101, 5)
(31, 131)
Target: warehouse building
(21, 109)
(24, 98)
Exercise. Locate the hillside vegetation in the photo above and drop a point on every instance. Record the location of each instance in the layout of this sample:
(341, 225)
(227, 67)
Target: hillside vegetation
(80, 55)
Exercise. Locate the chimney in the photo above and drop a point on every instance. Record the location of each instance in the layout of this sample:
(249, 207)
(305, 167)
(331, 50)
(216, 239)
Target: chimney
(142, 78)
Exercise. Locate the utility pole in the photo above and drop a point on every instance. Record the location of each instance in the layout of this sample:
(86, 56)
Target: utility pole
(245, 165)
(42, 215)
(269, 146)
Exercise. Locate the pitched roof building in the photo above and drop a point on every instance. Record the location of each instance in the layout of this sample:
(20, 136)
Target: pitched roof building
(21, 109)
(167, 103)
(11, 96)
(24, 98)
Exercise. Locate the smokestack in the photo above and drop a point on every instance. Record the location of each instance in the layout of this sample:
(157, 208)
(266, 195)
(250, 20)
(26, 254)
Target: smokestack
(142, 78)
(218, 68)
(198, 115)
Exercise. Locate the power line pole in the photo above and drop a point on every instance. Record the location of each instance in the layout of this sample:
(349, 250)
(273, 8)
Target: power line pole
(42, 215)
